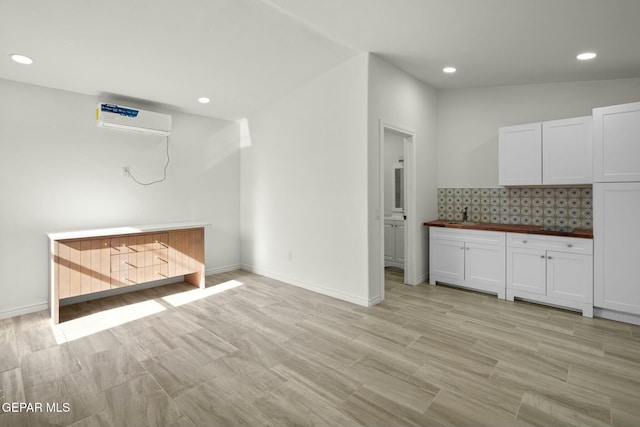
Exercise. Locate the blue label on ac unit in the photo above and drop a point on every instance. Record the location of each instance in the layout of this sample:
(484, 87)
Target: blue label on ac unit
(112, 108)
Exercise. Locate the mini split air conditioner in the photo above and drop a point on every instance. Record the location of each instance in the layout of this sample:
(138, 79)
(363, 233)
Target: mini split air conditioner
(132, 119)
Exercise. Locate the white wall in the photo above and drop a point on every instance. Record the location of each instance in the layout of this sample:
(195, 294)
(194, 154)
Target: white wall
(59, 172)
(393, 152)
(468, 121)
(304, 185)
(399, 99)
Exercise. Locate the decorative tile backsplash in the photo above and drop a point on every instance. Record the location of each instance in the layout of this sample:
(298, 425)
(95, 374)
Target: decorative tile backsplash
(562, 206)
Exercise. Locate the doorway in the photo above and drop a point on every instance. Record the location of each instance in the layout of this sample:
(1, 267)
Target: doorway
(397, 206)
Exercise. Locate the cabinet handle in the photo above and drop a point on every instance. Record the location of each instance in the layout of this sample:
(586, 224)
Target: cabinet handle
(569, 245)
(462, 247)
(549, 257)
(541, 256)
(524, 241)
(467, 248)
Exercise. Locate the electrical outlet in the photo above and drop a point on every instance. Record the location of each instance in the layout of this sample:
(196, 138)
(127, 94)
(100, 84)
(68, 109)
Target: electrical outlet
(125, 171)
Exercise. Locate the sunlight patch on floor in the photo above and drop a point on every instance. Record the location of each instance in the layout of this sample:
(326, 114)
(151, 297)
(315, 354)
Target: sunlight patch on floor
(182, 298)
(84, 326)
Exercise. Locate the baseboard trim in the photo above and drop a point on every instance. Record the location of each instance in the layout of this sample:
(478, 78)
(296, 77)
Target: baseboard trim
(314, 288)
(373, 301)
(224, 269)
(616, 315)
(421, 279)
(27, 309)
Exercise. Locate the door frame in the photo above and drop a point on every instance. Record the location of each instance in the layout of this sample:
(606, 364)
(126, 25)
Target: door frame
(410, 225)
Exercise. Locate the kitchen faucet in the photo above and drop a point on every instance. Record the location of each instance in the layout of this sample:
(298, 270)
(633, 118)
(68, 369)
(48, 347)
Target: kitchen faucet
(464, 214)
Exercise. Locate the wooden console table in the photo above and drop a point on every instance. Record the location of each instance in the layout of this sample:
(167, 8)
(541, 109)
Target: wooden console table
(90, 261)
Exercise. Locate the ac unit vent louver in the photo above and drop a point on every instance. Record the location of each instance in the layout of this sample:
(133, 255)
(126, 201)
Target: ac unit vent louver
(132, 119)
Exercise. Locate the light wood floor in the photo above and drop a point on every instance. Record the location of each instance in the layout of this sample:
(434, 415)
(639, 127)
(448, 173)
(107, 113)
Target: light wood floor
(261, 352)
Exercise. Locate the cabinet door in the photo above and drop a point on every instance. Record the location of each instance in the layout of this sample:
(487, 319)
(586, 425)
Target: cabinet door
(389, 241)
(447, 260)
(62, 260)
(100, 265)
(484, 266)
(526, 270)
(520, 154)
(567, 151)
(185, 252)
(616, 132)
(617, 246)
(570, 276)
(399, 243)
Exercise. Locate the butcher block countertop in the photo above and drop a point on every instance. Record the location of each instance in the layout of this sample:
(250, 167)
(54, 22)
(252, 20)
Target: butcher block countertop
(510, 228)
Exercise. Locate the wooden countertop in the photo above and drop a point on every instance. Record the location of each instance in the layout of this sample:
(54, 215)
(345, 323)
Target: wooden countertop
(511, 228)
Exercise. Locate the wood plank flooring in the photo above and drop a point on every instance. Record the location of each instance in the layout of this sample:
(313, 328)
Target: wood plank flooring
(250, 350)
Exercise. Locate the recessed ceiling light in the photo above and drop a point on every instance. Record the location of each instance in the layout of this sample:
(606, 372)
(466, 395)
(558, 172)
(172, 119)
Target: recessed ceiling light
(204, 100)
(586, 56)
(21, 59)
(449, 70)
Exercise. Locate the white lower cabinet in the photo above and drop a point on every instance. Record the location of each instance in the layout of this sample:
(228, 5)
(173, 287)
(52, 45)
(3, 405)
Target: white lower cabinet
(394, 243)
(473, 259)
(553, 270)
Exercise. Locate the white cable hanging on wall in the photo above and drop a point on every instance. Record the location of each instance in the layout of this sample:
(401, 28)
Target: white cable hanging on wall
(164, 173)
(129, 119)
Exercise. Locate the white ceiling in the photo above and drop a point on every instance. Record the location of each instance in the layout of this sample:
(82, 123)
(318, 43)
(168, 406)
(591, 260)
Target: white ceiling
(244, 54)
(490, 42)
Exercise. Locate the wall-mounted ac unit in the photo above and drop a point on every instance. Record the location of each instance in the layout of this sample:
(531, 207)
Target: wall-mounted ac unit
(132, 119)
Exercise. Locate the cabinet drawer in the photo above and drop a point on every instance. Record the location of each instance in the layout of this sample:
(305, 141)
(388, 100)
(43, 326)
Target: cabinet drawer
(475, 236)
(124, 278)
(159, 257)
(149, 258)
(554, 243)
(160, 241)
(153, 272)
(124, 262)
(123, 245)
(147, 242)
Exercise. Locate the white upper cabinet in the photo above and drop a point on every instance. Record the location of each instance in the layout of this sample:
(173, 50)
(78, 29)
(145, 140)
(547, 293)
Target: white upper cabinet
(557, 152)
(520, 151)
(567, 151)
(617, 143)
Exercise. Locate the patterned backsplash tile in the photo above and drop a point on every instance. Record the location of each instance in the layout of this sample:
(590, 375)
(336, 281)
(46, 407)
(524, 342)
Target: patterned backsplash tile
(562, 206)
